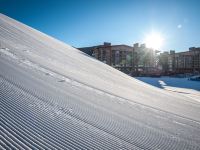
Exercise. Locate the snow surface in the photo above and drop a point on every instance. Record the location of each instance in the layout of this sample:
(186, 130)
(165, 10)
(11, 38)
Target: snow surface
(182, 86)
(52, 96)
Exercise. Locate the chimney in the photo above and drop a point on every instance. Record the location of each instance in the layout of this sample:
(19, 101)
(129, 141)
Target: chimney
(107, 44)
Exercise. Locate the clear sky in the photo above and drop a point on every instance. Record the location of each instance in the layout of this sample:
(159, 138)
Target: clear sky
(83, 23)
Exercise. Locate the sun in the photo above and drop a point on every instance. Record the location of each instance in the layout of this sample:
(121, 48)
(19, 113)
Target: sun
(154, 40)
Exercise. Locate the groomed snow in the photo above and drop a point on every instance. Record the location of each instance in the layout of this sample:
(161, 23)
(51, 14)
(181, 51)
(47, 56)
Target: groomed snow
(52, 96)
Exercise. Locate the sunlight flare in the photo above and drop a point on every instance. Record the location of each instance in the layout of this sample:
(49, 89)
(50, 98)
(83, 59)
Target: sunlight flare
(154, 40)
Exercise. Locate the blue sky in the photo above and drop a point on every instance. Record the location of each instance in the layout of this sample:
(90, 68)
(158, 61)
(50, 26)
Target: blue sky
(83, 23)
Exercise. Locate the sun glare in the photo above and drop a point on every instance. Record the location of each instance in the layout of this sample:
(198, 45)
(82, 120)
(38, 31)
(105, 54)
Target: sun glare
(154, 40)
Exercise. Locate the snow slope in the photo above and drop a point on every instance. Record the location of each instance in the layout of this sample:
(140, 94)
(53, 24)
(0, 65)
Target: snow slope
(52, 96)
(175, 85)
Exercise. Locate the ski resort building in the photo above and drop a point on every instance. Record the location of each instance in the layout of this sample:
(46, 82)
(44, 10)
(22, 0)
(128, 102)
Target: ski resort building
(144, 60)
(131, 60)
(117, 56)
(181, 62)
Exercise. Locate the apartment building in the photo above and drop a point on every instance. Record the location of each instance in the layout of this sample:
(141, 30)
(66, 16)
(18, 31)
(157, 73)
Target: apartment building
(117, 56)
(181, 62)
(134, 60)
(144, 60)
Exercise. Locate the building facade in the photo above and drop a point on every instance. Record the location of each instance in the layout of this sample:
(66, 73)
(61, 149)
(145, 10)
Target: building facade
(181, 62)
(131, 60)
(117, 56)
(144, 60)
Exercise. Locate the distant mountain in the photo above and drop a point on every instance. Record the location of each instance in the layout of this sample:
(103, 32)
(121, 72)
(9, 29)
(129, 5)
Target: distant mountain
(53, 96)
